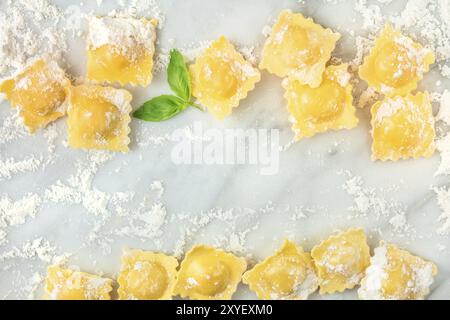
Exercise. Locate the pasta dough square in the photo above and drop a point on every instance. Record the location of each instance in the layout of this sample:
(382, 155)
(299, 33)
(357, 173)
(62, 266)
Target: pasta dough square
(287, 275)
(403, 127)
(147, 276)
(98, 118)
(341, 260)
(299, 48)
(39, 92)
(328, 107)
(121, 50)
(207, 273)
(396, 63)
(221, 77)
(396, 274)
(67, 284)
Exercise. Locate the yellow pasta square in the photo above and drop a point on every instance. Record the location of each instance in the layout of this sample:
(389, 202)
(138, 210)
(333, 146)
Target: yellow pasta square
(39, 93)
(67, 284)
(147, 276)
(98, 118)
(287, 275)
(221, 77)
(299, 48)
(328, 107)
(396, 63)
(396, 274)
(341, 260)
(207, 273)
(403, 127)
(121, 50)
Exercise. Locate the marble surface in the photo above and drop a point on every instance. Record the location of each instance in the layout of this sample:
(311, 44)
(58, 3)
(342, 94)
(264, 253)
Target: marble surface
(262, 210)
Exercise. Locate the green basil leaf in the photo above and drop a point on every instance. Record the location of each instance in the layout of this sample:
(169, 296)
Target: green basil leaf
(178, 75)
(160, 108)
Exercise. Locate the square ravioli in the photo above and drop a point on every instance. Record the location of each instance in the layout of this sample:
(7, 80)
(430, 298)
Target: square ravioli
(67, 284)
(341, 260)
(287, 275)
(395, 64)
(39, 92)
(98, 118)
(396, 274)
(327, 107)
(121, 50)
(221, 77)
(299, 48)
(403, 127)
(207, 273)
(147, 276)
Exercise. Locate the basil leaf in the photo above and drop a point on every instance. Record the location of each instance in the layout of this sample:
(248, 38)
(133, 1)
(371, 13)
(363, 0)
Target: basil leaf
(178, 75)
(160, 108)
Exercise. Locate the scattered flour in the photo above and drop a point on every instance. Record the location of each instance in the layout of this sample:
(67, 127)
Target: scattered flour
(368, 203)
(20, 41)
(11, 166)
(158, 187)
(444, 109)
(37, 248)
(14, 213)
(78, 188)
(443, 197)
(29, 29)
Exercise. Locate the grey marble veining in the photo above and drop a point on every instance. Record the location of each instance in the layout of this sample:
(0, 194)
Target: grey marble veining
(311, 173)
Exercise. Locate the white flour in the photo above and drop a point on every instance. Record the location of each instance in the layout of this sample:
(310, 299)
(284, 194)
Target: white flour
(367, 202)
(13, 213)
(443, 197)
(142, 215)
(29, 29)
(10, 167)
(122, 32)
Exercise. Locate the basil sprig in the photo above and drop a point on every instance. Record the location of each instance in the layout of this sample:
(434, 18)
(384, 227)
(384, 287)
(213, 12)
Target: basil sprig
(167, 106)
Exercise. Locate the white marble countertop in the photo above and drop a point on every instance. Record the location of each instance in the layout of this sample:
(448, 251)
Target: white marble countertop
(233, 206)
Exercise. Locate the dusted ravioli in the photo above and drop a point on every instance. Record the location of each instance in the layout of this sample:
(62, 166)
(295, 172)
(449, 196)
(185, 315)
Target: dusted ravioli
(147, 276)
(299, 48)
(403, 127)
(396, 63)
(121, 50)
(39, 92)
(99, 118)
(207, 273)
(221, 77)
(396, 274)
(341, 260)
(328, 107)
(289, 274)
(67, 284)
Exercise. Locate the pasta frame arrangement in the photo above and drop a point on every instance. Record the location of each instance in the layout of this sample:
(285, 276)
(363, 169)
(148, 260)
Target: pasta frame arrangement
(318, 94)
(339, 263)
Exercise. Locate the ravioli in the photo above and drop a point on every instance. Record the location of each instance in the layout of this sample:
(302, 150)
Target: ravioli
(299, 48)
(396, 274)
(207, 273)
(403, 127)
(221, 78)
(287, 275)
(396, 63)
(38, 92)
(67, 284)
(327, 107)
(147, 276)
(341, 260)
(121, 50)
(98, 118)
